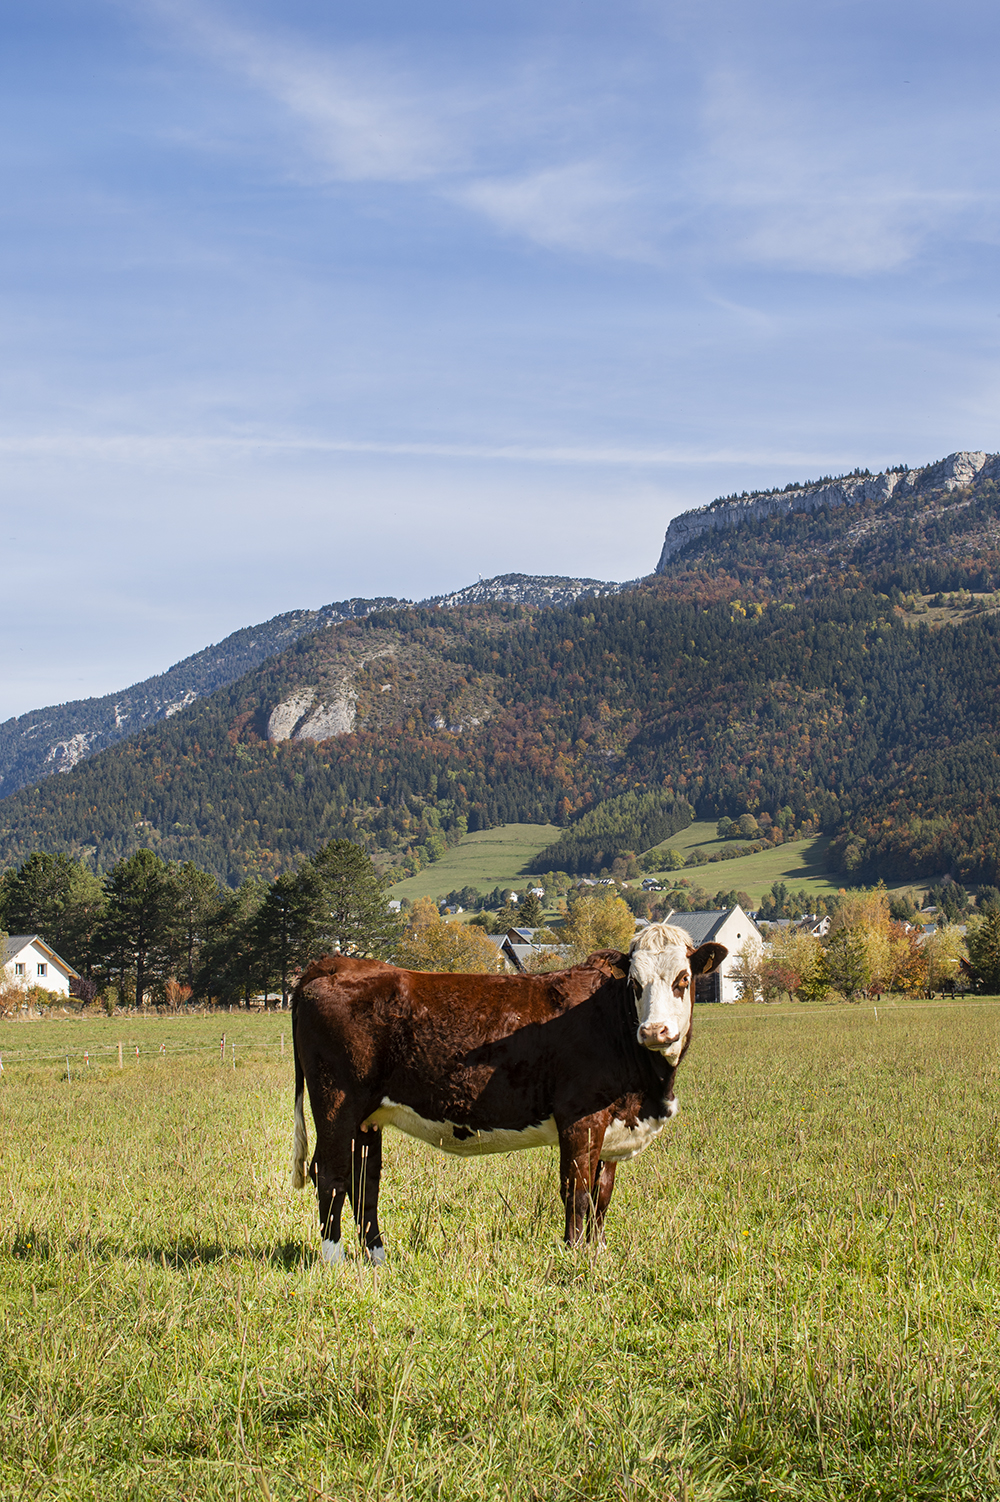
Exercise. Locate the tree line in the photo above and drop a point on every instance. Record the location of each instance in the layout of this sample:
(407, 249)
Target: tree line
(872, 947)
(151, 930)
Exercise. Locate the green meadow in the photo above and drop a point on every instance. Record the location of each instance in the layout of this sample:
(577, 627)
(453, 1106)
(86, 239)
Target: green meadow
(801, 864)
(490, 858)
(495, 857)
(798, 1299)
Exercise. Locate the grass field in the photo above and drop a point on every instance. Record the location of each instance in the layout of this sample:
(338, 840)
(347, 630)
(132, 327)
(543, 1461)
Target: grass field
(487, 859)
(799, 1298)
(800, 864)
(494, 857)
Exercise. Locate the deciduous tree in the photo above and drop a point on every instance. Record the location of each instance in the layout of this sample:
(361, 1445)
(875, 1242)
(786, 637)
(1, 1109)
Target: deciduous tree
(598, 921)
(435, 943)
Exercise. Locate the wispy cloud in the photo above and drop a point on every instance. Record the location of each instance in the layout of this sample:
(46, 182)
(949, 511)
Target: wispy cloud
(364, 119)
(752, 172)
(788, 185)
(181, 447)
(581, 206)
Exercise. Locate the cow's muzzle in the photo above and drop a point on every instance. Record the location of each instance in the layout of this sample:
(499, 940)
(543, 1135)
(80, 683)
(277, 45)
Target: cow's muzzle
(657, 1036)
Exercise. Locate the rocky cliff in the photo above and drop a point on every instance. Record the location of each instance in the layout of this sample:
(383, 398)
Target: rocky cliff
(45, 741)
(953, 473)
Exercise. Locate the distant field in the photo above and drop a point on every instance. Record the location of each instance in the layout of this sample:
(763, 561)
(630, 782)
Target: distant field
(489, 859)
(798, 1301)
(801, 864)
(495, 857)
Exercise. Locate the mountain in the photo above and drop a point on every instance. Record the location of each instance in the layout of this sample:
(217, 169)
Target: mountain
(46, 741)
(901, 523)
(831, 663)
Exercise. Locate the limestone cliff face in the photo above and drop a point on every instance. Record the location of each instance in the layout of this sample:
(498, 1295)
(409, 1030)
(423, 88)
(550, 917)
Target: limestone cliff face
(301, 718)
(953, 473)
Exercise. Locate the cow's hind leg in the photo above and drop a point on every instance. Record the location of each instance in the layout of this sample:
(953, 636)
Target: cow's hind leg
(365, 1177)
(604, 1183)
(331, 1169)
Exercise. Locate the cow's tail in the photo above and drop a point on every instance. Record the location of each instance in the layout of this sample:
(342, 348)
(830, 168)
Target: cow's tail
(300, 1142)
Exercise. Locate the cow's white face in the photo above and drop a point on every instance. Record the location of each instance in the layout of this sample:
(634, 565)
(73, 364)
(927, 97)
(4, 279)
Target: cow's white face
(661, 979)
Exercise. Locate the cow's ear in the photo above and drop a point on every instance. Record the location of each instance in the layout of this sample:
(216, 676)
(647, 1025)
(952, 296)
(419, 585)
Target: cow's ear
(612, 961)
(706, 958)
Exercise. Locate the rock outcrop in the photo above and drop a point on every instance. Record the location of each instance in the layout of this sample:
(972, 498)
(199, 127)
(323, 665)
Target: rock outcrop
(953, 473)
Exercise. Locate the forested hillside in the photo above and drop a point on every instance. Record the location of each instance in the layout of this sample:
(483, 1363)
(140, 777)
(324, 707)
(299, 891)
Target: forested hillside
(799, 668)
(52, 740)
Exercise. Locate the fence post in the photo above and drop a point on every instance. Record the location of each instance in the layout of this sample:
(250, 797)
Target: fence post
(234, 1056)
(68, 1081)
(120, 1064)
(222, 1050)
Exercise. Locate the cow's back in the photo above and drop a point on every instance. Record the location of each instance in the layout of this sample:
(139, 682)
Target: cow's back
(486, 1052)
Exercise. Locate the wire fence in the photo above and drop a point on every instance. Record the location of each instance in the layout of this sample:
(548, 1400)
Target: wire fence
(126, 1050)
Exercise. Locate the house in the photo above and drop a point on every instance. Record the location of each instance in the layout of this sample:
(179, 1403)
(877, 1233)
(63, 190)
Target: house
(517, 947)
(26, 960)
(731, 927)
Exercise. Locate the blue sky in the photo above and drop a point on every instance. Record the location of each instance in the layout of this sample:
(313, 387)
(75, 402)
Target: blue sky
(313, 300)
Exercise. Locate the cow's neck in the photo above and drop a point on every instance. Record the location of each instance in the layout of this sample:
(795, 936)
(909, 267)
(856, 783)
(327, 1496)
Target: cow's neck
(656, 1072)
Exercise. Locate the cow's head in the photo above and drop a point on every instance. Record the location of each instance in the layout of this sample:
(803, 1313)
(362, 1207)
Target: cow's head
(662, 970)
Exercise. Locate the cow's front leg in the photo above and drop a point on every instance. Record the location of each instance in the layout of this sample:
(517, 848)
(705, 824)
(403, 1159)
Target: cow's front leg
(365, 1178)
(579, 1166)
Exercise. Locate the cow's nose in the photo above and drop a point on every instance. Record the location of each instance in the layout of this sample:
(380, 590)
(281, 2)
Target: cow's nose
(656, 1036)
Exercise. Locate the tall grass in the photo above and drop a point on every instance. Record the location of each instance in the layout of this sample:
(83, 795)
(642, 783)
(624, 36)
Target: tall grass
(798, 1298)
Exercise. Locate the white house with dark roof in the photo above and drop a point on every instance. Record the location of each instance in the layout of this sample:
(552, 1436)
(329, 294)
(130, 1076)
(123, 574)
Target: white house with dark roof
(731, 927)
(26, 960)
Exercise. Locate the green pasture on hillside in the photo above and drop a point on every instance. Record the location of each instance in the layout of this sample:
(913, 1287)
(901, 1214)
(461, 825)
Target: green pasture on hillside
(490, 858)
(801, 864)
(798, 1300)
(496, 857)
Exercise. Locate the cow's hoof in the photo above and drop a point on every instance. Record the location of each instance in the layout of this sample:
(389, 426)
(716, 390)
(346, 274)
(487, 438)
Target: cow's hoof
(375, 1255)
(332, 1251)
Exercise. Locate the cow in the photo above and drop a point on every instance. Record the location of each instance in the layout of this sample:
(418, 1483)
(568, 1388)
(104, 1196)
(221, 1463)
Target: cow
(472, 1064)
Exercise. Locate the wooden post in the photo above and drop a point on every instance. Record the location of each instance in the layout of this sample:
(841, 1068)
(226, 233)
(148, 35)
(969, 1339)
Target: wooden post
(120, 1064)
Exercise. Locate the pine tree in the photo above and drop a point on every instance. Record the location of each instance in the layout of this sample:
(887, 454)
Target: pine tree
(286, 927)
(141, 910)
(57, 898)
(354, 911)
(198, 898)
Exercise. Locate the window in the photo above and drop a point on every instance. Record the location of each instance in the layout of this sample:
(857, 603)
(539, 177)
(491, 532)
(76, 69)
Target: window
(43, 969)
(19, 968)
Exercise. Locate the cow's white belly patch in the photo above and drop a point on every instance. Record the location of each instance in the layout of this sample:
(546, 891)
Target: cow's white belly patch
(441, 1134)
(622, 1142)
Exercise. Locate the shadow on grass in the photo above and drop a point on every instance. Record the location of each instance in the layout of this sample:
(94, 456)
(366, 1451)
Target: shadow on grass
(287, 1255)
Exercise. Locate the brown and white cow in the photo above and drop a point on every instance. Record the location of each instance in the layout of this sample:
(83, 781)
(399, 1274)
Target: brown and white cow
(471, 1064)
